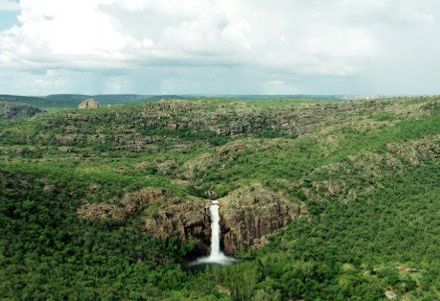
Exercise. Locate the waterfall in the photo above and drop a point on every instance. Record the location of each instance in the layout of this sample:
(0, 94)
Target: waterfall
(215, 255)
(215, 231)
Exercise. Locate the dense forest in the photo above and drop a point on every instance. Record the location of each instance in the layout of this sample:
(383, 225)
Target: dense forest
(320, 200)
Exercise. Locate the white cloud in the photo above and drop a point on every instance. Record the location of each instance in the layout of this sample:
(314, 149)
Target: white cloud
(95, 34)
(9, 5)
(339, 38)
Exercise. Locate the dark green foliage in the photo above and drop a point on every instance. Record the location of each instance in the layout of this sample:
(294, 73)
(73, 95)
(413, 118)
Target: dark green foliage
(367, 172)
(10, 110)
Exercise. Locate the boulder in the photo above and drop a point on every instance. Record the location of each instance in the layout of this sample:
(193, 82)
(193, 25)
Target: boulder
(89, 104)
(248, 215)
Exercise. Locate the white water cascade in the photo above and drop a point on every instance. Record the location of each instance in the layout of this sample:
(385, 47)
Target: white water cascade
(216, 255)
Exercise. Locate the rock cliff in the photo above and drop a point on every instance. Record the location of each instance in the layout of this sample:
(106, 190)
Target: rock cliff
(249, 215)
(165, 215)
(184, 218)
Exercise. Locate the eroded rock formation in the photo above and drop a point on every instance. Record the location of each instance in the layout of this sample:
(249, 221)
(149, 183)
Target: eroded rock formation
(89, 104)
(130, 205)
(249, 215)
(184, 218)
(165, 214)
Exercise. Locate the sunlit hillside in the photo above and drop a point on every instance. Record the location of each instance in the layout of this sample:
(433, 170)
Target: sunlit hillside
(317, 199)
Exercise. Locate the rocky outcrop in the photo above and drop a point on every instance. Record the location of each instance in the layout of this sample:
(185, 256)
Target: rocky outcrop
(165, 215)
(10, 110)
(184, 218)
(101, 211)
(359, 175)
(224, 157)
(130, 205)
(417, 151)
(89, 104)
(249, 215)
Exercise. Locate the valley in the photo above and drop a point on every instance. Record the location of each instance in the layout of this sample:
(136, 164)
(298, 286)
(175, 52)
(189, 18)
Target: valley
(318, 199)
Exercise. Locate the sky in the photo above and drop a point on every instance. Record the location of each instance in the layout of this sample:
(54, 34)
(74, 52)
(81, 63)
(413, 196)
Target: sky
(343, 47)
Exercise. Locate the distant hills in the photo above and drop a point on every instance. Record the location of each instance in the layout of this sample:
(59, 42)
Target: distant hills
(73, 100)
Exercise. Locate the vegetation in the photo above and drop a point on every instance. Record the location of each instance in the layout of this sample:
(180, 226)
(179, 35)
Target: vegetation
(10, 110)
(62, 101)
(366, 174)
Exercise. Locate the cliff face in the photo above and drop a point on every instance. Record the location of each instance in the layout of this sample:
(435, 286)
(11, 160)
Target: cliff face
(184, 218)
(249, 215)
(165, 215)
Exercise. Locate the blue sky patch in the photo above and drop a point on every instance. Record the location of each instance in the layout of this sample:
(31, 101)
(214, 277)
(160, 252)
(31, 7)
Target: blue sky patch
(8, 19)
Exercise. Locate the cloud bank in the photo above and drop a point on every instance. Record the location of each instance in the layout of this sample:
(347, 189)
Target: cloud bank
(183, 46)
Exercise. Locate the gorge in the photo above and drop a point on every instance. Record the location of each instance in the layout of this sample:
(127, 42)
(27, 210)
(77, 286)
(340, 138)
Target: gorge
(313, 200)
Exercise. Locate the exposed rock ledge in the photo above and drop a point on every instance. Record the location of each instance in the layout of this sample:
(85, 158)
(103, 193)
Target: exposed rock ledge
(249, 215)
(165, 214)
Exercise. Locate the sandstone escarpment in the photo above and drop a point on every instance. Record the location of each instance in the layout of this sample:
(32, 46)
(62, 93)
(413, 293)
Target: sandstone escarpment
(165, 215)
(359, 175)
(249, 215)
(183, 218)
